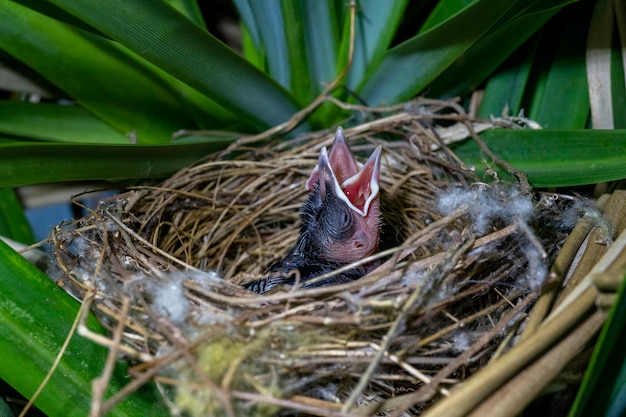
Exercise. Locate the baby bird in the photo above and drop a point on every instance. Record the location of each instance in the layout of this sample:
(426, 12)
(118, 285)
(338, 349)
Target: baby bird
(339, 222)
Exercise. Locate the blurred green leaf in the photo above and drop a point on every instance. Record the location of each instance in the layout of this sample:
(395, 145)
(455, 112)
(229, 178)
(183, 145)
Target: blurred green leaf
(190, 9)
(47, 9)
(320, 28)
(553, 158)
(54, 122)
(505, 89)
(483, 57)
(35, 318)
(249, 21)
(376, 24)
(164, 37)
(409, 67)
(253, 54)
(13, 223)
(266, 17)
(561, 100)
(33, 163)
(299, 40)
(603, 390)
(443, 11)
(299, 75)
(95, 72)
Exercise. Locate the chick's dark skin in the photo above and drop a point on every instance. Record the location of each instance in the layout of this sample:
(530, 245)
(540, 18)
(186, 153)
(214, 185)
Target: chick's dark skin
(339, 222)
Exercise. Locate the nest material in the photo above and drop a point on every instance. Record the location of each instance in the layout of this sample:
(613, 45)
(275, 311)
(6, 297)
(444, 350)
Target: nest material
(456, 281)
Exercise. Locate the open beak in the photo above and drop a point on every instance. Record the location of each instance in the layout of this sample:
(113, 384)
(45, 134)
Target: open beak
(354, 183)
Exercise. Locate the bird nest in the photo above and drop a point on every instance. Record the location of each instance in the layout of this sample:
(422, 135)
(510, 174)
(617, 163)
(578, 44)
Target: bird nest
(462, 264)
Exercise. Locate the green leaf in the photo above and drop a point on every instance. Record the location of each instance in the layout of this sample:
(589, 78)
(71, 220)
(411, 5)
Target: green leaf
(376, 24)
(299, 40)
(35, 318)
(505, 89)
(561, 100)
(482, 58)
(33, 163)
(254, 54)
(190, 9)
(553, 158)
(50, 10)
(13, 223)
(444, 9)
(54, 122)
(320, 37)
(266, 16)
(96, 72)
(409, 67)
(299, 75)
(603, 390)
(249, 21)
(164, 37)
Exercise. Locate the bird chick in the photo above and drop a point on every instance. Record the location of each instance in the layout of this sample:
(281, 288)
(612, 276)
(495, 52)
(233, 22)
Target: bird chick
(339, 222)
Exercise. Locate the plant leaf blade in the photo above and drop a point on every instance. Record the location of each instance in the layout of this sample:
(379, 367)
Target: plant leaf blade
(33, 163)
(554, 158)
(170, 41)
(35, 317)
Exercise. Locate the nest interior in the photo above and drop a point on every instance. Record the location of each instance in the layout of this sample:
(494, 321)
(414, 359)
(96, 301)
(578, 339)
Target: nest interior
(462, 263)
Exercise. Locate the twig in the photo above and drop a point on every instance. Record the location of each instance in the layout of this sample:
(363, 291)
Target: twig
(100, 384)
(410, 305)
(465, 356)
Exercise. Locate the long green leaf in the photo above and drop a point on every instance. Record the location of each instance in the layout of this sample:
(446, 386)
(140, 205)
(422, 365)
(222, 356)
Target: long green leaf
(562, 101)
(95, 72)
(190, 9)
(409, 67)
(603, 391)
(554, 158)
(505, 89)
(321, 28)
(299, 73)
(248, 19)
(35, 318)
(34, 163)
(376, 24)
(266, 16)
(253, 54)
(13, 223)
(54, 122)
(444, 9)
(167, 39)
(205, 112)
(300, 39)
(489, 52)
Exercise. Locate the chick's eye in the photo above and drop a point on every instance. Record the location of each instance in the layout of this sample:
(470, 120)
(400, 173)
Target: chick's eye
(346, 219)
(342, 223)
